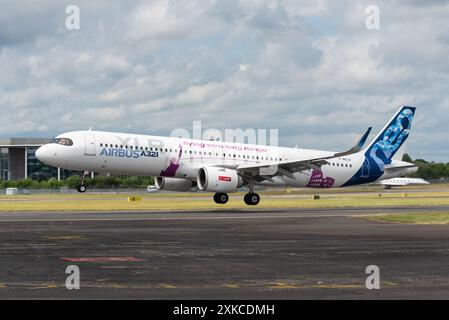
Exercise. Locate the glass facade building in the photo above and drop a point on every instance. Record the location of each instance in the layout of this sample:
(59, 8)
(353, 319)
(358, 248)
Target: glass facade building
(18, 161)
(4, 164)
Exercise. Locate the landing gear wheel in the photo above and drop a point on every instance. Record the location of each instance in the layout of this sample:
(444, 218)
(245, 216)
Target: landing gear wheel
(221, 198)
(81, 187)
(251, 198)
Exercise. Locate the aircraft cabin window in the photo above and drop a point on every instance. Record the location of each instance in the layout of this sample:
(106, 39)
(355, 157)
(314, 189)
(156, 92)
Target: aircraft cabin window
(101, 144)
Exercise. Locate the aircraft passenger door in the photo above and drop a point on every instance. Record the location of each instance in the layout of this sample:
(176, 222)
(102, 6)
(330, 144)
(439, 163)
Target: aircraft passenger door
(89, 145)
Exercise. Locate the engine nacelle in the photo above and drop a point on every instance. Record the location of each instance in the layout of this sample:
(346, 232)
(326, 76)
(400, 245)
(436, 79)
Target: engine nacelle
(214, 179)
(173, 184)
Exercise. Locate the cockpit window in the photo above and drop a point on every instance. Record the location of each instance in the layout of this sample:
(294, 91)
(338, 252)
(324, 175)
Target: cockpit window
(63, 141)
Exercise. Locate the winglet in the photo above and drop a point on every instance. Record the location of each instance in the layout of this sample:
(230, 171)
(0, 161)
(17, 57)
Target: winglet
(357, 147)
(363, 139)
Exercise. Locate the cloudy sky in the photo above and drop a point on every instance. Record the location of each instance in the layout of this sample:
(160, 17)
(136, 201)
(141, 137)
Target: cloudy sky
(309, 68)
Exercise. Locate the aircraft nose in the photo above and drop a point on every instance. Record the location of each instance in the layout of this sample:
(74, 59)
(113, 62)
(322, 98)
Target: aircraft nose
(42, 154)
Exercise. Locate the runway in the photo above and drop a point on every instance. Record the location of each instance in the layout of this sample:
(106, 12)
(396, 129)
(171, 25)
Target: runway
(209, 214)
(245, 254)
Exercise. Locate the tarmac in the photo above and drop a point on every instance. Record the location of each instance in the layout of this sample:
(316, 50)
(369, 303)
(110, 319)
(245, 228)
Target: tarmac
(238, 254)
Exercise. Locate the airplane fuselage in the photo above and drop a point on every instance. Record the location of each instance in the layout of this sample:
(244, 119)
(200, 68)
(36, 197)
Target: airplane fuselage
(222, 167)
(144, 155)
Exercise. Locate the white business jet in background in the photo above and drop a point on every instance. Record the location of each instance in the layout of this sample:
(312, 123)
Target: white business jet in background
(180, 164)
(401, 182)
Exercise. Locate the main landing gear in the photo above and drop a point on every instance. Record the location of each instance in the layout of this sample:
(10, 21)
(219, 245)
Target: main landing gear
(251, 198)
(221, 198)
(81, 187)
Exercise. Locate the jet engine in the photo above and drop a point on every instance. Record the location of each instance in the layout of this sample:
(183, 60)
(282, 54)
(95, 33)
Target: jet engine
(214, 179)
(173, 184)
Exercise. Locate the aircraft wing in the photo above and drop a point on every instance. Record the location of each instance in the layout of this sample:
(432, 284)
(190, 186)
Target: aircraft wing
(266, 171)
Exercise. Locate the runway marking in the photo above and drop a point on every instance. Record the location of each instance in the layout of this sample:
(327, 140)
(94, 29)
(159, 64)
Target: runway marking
(168, 286)
(316, 286)
(102, 283)
(104, 259)
(64, 238)
(231, 286)
(45, 286)
(281, 285)
(119, 267)
(172, 218)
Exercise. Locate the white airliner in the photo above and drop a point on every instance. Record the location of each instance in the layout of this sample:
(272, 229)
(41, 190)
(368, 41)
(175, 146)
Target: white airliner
(399, 182)
(223, 167)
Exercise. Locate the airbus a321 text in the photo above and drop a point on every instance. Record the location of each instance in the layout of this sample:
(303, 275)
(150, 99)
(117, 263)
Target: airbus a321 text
(221, 167)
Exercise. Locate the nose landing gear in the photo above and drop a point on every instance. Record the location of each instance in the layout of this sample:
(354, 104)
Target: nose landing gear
(81, 187)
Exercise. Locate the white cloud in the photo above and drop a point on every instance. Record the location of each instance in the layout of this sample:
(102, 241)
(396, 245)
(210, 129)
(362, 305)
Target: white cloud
(309, 68)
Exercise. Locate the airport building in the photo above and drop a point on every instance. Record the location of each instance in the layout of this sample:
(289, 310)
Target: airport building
(18, 160)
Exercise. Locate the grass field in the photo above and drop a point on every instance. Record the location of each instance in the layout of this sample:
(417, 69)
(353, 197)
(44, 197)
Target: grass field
(415, 218)
(203, 201)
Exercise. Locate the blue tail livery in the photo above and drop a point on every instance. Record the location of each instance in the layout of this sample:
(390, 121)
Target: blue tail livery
(383, 148)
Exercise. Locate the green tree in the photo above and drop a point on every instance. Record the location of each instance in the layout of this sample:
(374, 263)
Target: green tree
(406, 157)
